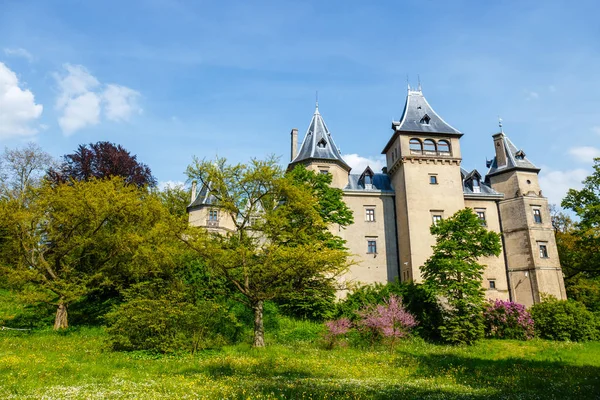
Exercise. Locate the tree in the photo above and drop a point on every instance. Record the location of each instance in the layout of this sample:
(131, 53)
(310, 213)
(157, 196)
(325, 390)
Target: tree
(454, 273)
(585, 203)
(102, 160)
(280, 243)
(72, 239)
(21, 169)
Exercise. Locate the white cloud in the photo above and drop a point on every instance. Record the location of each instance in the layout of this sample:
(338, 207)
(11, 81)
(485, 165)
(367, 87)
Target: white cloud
(359, 163)
(555, 184)
(531, 95)
(585, 154)
(170, 184)
(82, 99)
(17, 106)
(19, 52)
(121, 102)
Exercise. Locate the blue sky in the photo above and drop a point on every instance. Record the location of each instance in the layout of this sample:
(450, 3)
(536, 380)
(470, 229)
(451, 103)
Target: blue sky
(172, 79)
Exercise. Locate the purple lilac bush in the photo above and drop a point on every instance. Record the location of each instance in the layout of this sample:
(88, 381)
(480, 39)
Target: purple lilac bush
(336, 330)
(507, 320)
(389, 320)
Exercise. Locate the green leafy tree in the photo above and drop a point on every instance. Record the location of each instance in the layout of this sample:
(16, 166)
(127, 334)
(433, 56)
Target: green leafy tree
(71, 239)
(584, 256)
(281, 242)
(454, 273)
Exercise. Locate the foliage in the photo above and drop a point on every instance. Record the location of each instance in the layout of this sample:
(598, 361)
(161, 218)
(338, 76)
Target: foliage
(389, 320)
(280, 242)
(21, 169)
(335, 331)
(454, 273)
(71, 240)
(583, 256)
(77, 365)
(419, 301)
(102, 160)
(313, 300)
(507, 320)
(157, 316)
(564, 320)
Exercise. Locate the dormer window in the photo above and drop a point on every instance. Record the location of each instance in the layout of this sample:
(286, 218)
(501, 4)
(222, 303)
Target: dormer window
(366, 179)
(425, 120)
(520, 155)
(322, 144)
(476, 186)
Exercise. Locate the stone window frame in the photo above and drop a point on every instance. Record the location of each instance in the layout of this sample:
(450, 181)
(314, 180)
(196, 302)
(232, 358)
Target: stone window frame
(371, 245)
(537, 214)
(543, 249)
(369, 213)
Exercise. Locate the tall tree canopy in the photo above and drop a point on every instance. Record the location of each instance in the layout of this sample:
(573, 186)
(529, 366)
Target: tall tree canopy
(455, 274)
(22, 168)
(71, 239)
(103, 160)
(280, 242)
(585, 203)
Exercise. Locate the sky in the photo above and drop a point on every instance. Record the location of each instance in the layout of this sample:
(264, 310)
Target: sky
(174, 79)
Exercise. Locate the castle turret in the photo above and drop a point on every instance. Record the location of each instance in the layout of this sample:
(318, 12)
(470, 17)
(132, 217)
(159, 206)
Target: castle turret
(531, 254)
(423, 161)
(319, 153)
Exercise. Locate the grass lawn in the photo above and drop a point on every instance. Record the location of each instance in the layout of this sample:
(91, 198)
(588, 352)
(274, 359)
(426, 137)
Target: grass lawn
(78, 365)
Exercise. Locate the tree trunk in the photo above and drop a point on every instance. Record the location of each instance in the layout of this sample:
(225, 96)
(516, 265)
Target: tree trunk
(259, 331)
(61, 322)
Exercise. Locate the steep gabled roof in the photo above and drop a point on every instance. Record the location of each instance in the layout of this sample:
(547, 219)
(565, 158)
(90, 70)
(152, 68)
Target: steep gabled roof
(419, 117)
(318, 143)
(203, 198)
(515, 158)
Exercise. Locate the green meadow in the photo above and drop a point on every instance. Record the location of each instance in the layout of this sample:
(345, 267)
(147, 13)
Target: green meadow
(78, 364)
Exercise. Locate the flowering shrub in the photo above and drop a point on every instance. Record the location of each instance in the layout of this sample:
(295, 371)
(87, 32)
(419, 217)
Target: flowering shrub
(335, 330)
(389, 320)
(507, 320)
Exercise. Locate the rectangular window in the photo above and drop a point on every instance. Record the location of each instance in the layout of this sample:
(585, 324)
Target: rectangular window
(433, 179)
(371, 246)
(543, 251)
(481, 216)
(323, 171)
(436, 218)
(370, 214)
(537, 215)
(492, 284)
(213, 215)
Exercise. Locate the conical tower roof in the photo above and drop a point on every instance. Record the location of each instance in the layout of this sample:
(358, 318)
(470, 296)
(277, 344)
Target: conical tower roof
(420, 117)
(515, 158)
(318, 144)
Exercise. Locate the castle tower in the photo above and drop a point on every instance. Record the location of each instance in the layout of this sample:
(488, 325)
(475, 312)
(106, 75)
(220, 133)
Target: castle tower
(423, 160)
(204, 212)
(530, 247)
(319, 153)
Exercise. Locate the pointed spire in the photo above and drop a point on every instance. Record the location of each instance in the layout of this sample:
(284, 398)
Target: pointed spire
(500, 124)
(318, 143)
(419, 80)
(316, 102)
(418, 116)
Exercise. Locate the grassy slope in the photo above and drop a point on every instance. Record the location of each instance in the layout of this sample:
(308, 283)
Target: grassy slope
(78, 365)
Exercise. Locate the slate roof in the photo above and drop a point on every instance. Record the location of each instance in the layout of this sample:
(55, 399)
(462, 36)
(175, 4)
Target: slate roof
(515, 158)
(419, 117)
(318, 143)
(202, 198)
(485, 191)
(381, 182)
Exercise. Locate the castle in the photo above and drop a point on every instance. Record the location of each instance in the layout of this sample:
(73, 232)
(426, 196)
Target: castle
(422, 183)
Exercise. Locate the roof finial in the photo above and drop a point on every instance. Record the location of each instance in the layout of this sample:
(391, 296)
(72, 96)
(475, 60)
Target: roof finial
(317, 99)
(407, 82)
(419, 80)
(500, 124)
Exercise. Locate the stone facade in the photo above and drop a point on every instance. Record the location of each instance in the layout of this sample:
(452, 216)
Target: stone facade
(422, 182)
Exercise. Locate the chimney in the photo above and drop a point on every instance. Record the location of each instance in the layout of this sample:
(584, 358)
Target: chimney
(294, 134)
(193, 191)
(500, 151)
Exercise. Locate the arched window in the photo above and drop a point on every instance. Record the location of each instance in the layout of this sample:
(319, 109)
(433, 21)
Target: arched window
(443, 146)
(415, 146)
(429, 146)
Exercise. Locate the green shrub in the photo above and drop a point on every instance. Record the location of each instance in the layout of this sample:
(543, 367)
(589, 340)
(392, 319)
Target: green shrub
(315, 302)
(415, 297)
(564, 320)
(165, 321)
